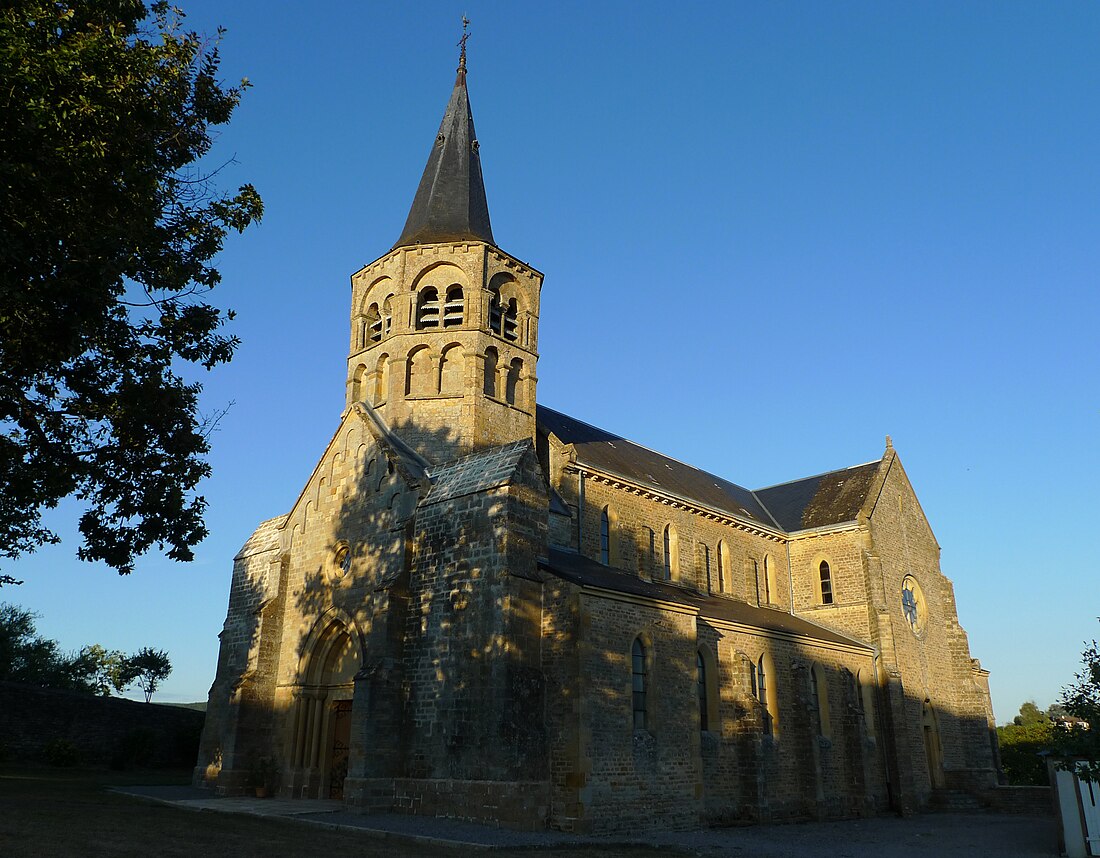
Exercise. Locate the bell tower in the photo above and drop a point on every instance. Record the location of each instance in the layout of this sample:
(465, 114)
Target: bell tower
(444, 327)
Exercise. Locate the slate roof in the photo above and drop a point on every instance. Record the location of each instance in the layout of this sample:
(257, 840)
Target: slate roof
(450, 201)
(478, 472)
(826, 499)
(822, 500)
(581, 570)
(618, 456)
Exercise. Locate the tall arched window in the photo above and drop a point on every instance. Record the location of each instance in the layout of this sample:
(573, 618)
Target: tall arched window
(513, 393)
(374, 324)
(491, 371)
(826, 583)
(605, 537)
(701, 681)
(650, 545)
(762, 692)
(453, 309)
(706, 565)
(723, 564)
(668, 552)
(769, 584)
(639, 681)
(427, 309)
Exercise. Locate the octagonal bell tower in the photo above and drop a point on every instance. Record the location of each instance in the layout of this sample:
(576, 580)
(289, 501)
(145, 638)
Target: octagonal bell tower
(444, 327)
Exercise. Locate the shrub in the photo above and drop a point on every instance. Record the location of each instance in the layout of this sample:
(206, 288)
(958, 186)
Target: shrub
(61, 752)
(136, 748)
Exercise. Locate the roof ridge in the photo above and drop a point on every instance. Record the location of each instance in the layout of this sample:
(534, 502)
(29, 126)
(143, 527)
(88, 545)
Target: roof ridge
(815, 476)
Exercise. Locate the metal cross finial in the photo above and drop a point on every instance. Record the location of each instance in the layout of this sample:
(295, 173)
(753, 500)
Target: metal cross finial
(462, 42)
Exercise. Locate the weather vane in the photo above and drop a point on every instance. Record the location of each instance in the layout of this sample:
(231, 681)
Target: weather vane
(462, 41)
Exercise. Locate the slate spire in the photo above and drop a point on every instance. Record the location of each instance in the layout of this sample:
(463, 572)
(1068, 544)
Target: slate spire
(450, 202)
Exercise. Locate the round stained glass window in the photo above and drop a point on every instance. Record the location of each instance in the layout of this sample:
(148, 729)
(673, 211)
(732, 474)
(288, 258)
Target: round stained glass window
(913, 605)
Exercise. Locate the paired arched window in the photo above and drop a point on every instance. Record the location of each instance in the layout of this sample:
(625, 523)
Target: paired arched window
(374, 324)
(454, 308)
(427, 309)
(826, 578)
(639, 683)
(503, 316)
(387, 316)
(511, 325)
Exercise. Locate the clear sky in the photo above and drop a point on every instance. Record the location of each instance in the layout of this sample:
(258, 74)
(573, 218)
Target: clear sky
(772, 233)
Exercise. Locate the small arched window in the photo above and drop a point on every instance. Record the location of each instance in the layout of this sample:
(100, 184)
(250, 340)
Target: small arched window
(639, 681)
(605, 537)
(491, 372)
(427, 309)
(513, 393)
(826, 578)
(374, 324)
(511, 315)
(357, 386)
(453, 309)
(701, 681)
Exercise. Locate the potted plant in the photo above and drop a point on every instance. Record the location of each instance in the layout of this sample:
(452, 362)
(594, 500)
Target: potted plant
(263, 776)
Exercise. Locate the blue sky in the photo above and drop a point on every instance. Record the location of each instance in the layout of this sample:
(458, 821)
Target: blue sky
(772, 234)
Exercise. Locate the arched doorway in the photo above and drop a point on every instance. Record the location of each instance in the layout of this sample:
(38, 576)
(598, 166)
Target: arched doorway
(322, 724)
(930, 729)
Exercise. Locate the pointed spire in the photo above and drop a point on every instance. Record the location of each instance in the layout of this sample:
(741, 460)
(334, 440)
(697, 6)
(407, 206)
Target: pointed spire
(450, 202)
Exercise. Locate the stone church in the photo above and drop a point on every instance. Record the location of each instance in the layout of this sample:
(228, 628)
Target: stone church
(483, 608)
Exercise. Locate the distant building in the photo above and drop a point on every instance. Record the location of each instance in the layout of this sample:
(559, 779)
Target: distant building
(484, 608)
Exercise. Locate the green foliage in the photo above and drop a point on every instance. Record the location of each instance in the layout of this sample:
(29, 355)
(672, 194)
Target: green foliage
(26, 656)
(1081, 700)
(1021, 745)
(109, 221)
(1030, 715)
(61, 752)
(147, 667)
(105, 669)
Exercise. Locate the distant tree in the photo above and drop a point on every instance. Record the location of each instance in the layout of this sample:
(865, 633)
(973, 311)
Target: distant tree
(1030, 733)
(104, 669)
(26, 656)
(1056, 710)
(148, 668)
(108, 225)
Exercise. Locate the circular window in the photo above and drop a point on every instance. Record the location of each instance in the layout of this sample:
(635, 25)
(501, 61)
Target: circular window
(341, 560)
(913, 605)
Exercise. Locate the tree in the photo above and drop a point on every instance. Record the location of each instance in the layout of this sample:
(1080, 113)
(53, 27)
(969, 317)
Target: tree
(104, 669)
(109, 220)
(26, 656)
(1080, 739)
(1030, 733)
(148, 667)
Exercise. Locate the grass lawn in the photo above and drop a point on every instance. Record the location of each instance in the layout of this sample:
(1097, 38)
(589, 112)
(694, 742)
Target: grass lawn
(57, 813)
